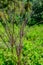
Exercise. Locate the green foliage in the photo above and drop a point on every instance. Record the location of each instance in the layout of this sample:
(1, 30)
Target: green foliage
(32, 53)
(33, 46)
(37, 11)
(17, 11)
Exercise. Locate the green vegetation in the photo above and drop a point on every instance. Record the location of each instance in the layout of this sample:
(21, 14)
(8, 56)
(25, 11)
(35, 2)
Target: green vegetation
(21, 32)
